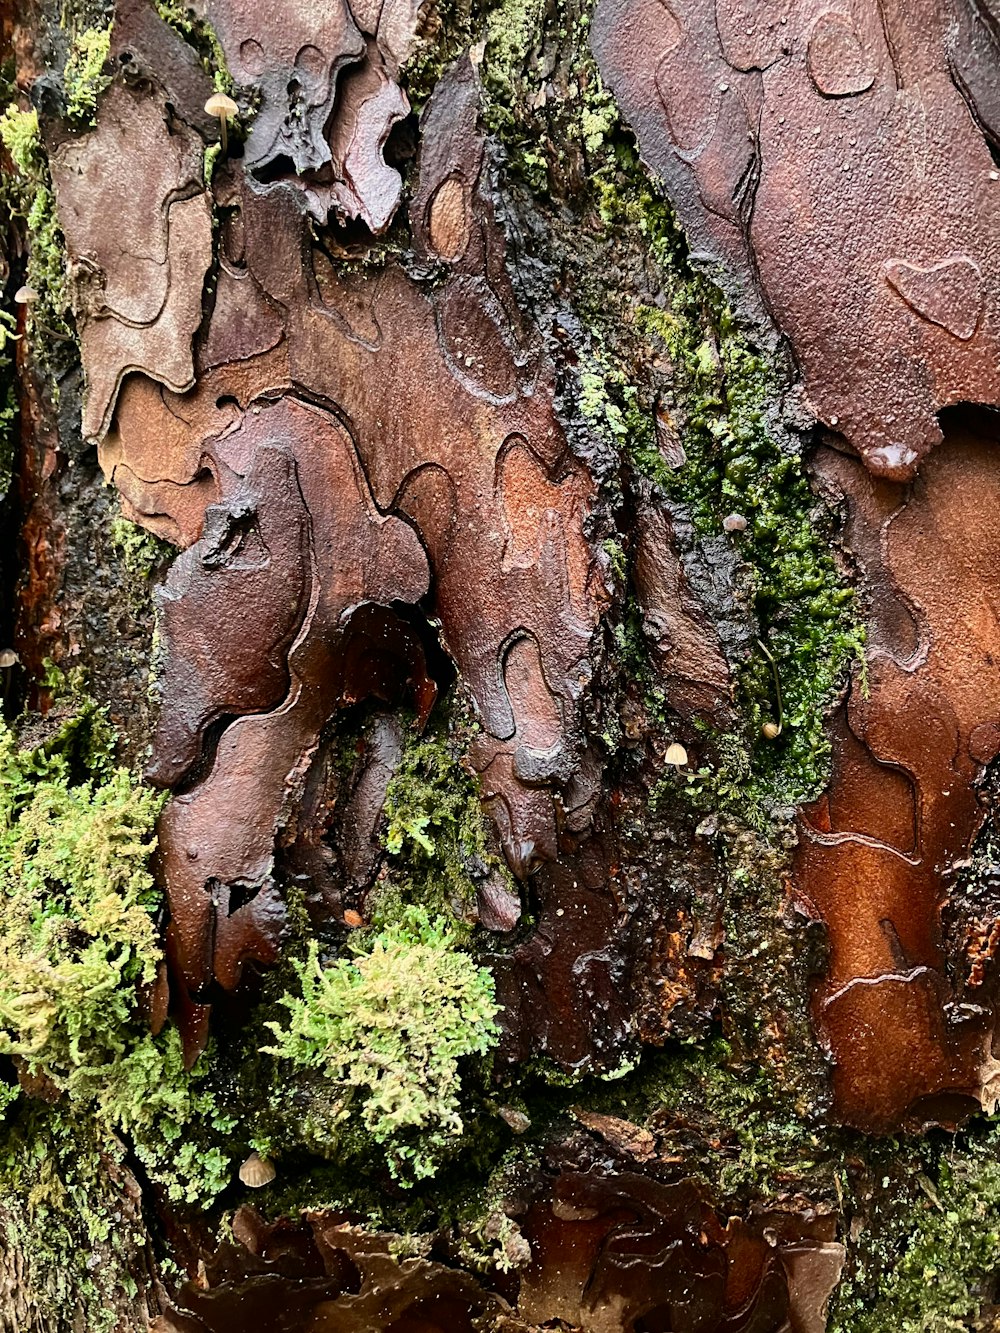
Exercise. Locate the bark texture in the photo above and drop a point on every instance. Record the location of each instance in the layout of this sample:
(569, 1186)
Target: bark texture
(497, 797)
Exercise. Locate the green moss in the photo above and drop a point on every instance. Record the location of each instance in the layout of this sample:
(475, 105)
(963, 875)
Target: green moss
(84, 77)
(62, 1213)
(388, 1028)
(200, 34)
(76, 898)
(722, 390)
(141, 553)
(28, 194)
(438, 837)
(929, 1256)
(8, 401)
(79, 941)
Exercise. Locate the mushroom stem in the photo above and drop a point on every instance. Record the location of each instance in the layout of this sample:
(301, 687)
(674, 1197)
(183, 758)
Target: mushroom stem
(772, 731)
(223, 106)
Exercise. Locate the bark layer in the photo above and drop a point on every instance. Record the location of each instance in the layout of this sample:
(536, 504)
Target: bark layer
(565, 659)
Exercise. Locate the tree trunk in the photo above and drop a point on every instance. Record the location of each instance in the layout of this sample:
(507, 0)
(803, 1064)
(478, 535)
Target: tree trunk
(499, 649)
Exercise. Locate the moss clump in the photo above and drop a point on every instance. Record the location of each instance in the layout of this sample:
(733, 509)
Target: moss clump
(436, 833)
(387, 1028)
(77, 934)
(79, 940)
(933, 1256)
(28, 194)
(172, 1117)
(141, 553)
(84, 77)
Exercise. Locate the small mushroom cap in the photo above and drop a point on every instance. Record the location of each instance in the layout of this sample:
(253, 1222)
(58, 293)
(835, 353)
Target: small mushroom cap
(221, 105)
(257, 1171)
(771, 730)
(734, 523)
(676, 754)
(353, 919)
(25, 295)
(8, 658)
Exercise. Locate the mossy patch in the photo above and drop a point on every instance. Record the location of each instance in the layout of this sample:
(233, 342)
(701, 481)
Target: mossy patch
(79, 942)
(388, 1028)
(84, 75)
(200, 34)
(440, 842)
(28, 194)
(141, 553)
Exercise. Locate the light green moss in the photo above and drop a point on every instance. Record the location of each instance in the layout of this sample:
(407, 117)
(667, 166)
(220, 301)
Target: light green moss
(76, 899)
(28, 194)
(139, 550)
(388, 1028)
(200, 34)
(79, 939)
(84, 77)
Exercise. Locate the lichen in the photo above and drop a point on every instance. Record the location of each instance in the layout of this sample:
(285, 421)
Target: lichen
(84, 77)
(388, 1029)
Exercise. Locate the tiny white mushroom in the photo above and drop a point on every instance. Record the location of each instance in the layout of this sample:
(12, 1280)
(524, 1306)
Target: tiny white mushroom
(676, 755)
(25, 295)
(8, 659)
(734, 523)
(225, 108)
(257, 1171)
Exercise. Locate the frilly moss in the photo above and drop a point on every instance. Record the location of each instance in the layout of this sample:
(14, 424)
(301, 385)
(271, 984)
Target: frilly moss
(84, 77)
(28, 195)
(79, 943)
(388, 1029)
(77, 932)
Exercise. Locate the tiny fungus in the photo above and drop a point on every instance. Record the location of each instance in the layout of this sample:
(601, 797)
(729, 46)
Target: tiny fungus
(8, 659)
(772, 730)
(225, 108)
(676, 755)
(25, 296)
(353, 919)
(257, 1171)
(734, 523)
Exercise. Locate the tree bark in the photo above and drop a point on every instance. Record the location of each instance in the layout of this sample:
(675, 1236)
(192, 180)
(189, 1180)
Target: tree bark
(498, 790)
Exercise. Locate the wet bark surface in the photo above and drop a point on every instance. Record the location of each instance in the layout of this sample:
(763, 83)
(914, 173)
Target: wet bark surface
(526, 499)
